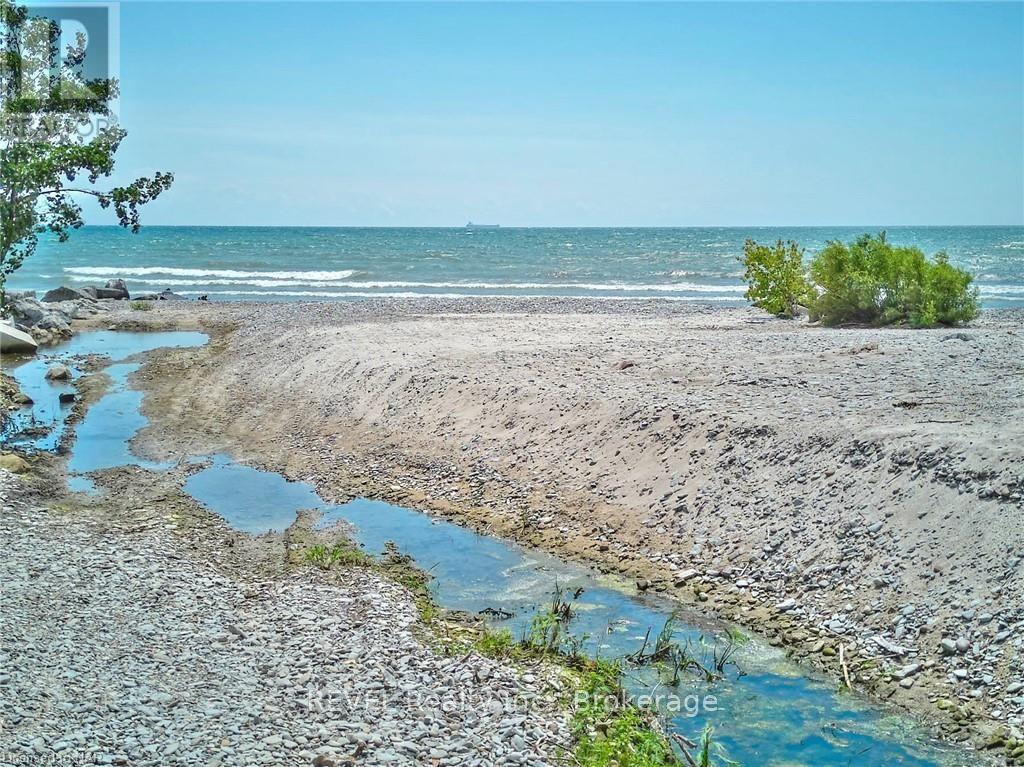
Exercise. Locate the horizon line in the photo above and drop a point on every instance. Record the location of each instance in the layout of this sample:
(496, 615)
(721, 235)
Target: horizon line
(499, 227)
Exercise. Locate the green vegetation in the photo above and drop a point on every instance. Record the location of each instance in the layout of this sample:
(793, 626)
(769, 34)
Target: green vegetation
(343, 554)
(621, 735)
(141, 306)
(868, 281)
(873, 281)
(401, 568)
(608, 729)
(775, 277)
(58, 138)
(496, 644)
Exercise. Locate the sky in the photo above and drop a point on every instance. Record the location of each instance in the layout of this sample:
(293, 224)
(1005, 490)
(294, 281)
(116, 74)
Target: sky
(582, 114)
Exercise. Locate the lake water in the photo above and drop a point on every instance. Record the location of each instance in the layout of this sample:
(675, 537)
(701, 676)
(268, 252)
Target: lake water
(261, 264)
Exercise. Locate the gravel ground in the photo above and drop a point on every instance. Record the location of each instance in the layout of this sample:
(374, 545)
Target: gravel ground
(836, 489)
(121, 645)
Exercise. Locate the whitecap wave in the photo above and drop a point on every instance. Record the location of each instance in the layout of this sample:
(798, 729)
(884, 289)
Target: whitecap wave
(312, 282)
(996, 289)
(413, 294)
(173, 271)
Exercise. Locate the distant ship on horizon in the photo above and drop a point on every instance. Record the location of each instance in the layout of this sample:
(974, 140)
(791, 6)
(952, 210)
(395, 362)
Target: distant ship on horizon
(471, 225)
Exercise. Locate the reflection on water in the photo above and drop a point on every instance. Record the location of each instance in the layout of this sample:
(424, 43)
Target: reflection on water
(101, 440)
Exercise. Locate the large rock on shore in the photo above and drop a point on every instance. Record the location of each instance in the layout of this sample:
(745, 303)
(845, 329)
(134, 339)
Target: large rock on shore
(64, 293)
(50, 322)
(113, 289)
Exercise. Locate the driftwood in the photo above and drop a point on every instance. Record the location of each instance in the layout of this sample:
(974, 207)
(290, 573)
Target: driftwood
(842, 663)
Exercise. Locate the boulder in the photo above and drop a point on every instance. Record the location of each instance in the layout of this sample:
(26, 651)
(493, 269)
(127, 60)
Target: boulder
(58, 373)
(30, 313)
(13, 463)
(14, 341)
(110, 293)
(64, 293)
(114, 286)
(169, 295)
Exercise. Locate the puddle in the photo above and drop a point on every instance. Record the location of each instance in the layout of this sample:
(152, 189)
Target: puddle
(769, 715)
(101, 439)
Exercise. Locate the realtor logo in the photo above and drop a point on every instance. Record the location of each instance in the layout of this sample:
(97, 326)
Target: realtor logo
(59, 58)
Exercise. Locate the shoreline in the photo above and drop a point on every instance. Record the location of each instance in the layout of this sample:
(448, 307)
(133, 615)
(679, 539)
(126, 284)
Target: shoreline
(209, 640)
(411, 477)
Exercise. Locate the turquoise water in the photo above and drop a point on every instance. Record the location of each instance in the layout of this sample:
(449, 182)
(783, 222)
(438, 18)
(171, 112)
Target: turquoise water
(253, 263)
(767, 711)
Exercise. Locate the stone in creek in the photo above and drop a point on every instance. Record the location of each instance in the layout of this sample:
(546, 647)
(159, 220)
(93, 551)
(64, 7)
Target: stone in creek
(58, 373)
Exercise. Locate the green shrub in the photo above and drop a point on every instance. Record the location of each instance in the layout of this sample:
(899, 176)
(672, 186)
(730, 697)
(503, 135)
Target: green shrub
(142, 306)
(775, 276)
(873, 281)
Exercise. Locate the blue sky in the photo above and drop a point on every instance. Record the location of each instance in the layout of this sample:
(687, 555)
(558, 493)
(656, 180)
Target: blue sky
(577, 114)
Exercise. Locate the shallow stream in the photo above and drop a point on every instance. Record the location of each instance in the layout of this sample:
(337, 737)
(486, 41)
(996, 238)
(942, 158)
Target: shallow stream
(767, 711)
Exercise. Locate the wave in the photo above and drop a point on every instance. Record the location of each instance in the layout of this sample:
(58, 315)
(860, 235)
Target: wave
(996, 289)
(676, 287)
(413, 294)
(142, 271)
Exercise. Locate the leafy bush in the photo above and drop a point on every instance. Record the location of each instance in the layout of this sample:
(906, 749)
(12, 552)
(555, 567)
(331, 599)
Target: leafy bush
(775, 276)
(141, 306)
(873, 281)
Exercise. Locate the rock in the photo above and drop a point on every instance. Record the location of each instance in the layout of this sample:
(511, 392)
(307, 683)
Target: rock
(625, 365)
(13, 463)
(30, 314)
(907, 671)
(66, 397)
(683, 576)
(786, 605)
(115, 289)
(118, 286)
(962, 645)
(889, 647)
(58, 373)
(169, 295)
(64, 293)
(14, 341)
(947, 647)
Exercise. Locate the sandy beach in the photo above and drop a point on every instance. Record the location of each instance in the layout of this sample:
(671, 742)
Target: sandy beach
(853, 494)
